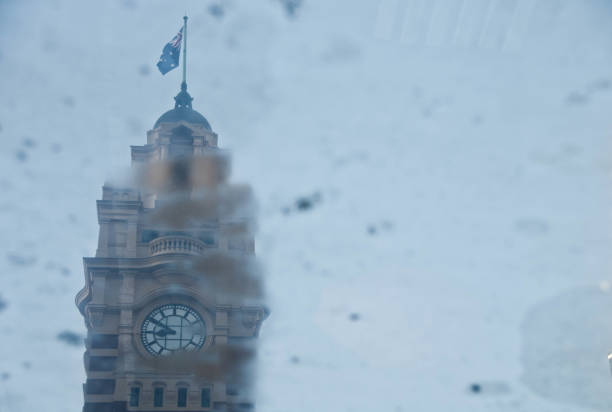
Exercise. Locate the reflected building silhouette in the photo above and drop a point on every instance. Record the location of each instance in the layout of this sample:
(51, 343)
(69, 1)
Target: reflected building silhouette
(173, 299)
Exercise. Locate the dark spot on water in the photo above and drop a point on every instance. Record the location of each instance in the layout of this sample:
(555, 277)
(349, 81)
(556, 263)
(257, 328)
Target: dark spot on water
(291, 7)
(49, 45)
(3, 304)
(495, 388)
(354, 317)
(144, 70)
(56, 147)
(572, 150)
(65, 271)
(50, 265)
(475, 388)
(68, 101)
(130, 4)
(20, 260)
(577, 98)
(26, 365)
(5, 376)
(21, 155)
(29, 143)
(5, 184)
(0, 127)
(71, 338)
(294, 359)
(602, 84)
(341, 50)
(532, 226)
(305, 203)
(216, 10)
(384, 226)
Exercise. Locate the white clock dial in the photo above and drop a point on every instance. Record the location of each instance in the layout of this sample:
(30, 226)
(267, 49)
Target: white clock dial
(171, 328)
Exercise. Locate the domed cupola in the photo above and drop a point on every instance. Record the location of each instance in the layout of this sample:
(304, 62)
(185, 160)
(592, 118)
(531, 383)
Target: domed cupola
(183, 111)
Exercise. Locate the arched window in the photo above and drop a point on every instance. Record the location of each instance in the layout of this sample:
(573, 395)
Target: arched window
(135, 391)
(182, 390)
(181, 400)
(134, 396)
(158, 396)
(205, 398)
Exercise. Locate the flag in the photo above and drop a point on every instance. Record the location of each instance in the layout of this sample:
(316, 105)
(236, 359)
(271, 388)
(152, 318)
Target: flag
(169, 58)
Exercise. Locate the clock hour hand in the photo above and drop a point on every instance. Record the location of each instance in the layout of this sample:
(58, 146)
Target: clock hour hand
(165, 332)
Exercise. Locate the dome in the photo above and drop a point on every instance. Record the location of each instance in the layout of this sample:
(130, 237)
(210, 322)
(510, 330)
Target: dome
(183, 111)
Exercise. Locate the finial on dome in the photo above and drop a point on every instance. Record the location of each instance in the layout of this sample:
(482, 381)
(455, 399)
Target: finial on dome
(183, 99)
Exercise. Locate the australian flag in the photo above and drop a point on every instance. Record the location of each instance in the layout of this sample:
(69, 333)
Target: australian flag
(169, 58)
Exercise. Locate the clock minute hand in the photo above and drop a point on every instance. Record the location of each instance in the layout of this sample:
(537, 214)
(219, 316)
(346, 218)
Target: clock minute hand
(158, 323)
(161, 325)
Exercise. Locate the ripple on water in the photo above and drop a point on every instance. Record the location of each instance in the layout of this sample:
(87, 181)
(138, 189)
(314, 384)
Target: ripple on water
(565, 342)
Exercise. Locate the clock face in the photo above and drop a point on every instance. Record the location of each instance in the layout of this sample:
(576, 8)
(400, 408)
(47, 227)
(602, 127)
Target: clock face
(171, 328)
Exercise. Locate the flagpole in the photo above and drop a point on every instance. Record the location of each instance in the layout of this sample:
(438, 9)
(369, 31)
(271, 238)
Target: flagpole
(185, 50)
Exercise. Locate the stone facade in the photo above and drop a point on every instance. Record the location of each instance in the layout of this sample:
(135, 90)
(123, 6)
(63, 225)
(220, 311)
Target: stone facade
(173, 299)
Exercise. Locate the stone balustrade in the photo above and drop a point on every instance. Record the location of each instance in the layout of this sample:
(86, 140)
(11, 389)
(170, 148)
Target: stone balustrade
(176, 244)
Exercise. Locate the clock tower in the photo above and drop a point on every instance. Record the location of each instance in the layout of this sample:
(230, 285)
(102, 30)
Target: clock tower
(173, 299)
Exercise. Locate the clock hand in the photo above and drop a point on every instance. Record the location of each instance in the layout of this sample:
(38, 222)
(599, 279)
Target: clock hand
(166, 330)
(158, 323)
(162, 333)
